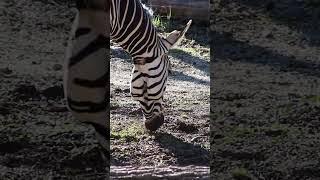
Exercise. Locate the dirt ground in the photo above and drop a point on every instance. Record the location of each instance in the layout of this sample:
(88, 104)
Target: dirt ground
(39, 139)
(265, 96)
(186, 130)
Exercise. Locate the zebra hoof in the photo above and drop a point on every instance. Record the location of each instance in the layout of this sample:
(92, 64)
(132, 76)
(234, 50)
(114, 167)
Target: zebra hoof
(154, 123)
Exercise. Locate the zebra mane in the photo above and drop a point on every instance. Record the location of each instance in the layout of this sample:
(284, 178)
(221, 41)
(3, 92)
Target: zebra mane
(147, 9)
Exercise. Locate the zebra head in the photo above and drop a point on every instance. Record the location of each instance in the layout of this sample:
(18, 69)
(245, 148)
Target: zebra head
(149, 78)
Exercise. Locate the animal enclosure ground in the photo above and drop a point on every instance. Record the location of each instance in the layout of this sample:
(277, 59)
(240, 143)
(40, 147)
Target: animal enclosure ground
(38, 138)
(265, 96)
(184, 138)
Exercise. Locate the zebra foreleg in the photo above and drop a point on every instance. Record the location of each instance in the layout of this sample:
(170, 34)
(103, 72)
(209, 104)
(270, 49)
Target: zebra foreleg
(86, 79)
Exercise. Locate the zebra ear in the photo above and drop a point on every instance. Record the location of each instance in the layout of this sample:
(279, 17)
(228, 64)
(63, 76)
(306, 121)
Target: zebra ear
(176, 36)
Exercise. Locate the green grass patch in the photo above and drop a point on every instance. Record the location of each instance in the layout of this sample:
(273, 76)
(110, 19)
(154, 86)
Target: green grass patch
(240, 174)
(24, 137)
(114, 105)
(242, 130)
(156, 20)
(277, 126)
(313, 98)
(131, 132)
(161, 23)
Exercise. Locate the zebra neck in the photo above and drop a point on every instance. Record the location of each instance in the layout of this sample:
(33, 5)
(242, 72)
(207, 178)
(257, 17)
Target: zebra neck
(150, 55)
(132, 29)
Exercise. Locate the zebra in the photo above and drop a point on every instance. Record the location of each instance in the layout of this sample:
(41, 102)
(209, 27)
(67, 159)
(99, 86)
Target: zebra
(87, 74)
(132, 29)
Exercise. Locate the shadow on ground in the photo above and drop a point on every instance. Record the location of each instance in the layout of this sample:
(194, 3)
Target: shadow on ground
(186, 153)
(303, 16)
(194, 61)
(228, 48)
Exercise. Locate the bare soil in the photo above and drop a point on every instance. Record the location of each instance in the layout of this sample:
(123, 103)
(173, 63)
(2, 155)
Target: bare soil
(265, 96)
(184, 138)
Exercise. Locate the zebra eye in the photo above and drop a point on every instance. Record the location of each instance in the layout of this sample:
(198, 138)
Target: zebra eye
(139, 61)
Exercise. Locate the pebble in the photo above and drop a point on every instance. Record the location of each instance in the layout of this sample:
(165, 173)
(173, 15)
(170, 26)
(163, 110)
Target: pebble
(57, 67)
(6, 70)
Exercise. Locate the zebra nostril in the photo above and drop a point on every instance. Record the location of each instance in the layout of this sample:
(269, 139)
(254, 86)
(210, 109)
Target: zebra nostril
(154, 123)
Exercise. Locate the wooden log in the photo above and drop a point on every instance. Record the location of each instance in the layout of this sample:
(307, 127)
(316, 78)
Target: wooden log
(153, 173)
(194, 9)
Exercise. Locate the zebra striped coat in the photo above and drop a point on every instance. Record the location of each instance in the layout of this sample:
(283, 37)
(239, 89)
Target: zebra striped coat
(87, 74)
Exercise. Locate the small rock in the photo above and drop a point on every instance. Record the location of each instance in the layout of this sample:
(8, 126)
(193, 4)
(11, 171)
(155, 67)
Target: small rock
(218, 136)
(26, 91)
(117, 90)
(6, 71)
(88, 169)
(53, 92)
(57, 67)
(292, 42)
(58, 108)
(127, 90)
(187, 128)
(136, 112)
(4, 109)
(274, 132)
(268, 35)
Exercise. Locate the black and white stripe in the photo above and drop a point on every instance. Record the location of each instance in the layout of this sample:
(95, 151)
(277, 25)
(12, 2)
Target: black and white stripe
(132, 29)
(87, 74)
